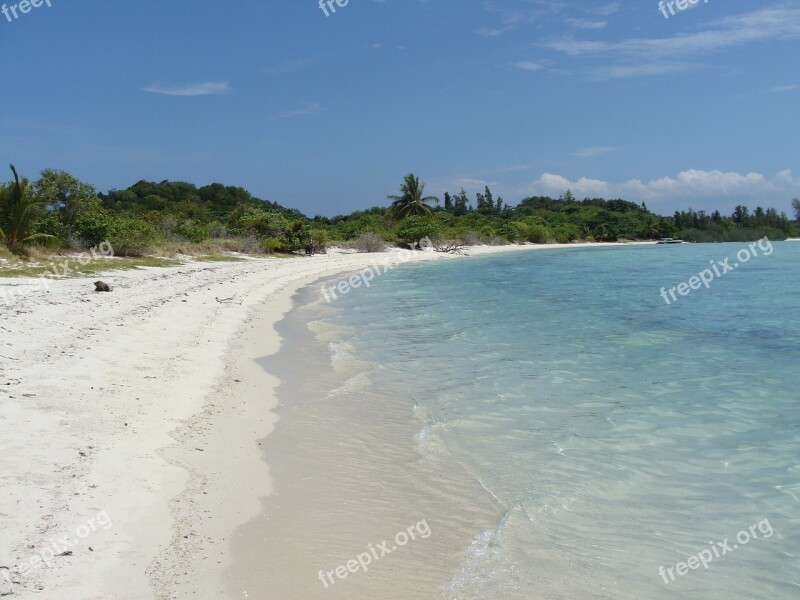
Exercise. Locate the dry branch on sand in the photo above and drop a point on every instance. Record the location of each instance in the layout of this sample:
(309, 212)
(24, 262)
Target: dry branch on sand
(451, 247)
(228, 300)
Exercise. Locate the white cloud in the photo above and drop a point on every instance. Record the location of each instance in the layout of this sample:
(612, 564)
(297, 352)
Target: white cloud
(586, 24)
(528, 65)
(556, 184)
(307, 108)
(592, 151)
(703, 190)
(685, 186)
(191, 89)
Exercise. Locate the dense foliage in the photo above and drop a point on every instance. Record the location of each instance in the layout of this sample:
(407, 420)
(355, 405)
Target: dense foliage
(57, 210)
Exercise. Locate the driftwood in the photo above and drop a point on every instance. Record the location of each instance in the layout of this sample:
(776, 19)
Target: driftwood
(451, 247)
(226, 300)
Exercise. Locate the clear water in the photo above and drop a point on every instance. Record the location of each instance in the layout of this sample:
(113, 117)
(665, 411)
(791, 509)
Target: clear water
(619, 434)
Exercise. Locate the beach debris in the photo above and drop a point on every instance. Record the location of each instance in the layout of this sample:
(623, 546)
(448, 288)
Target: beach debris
(452, 247)
(102, 286)
(226, 300)
(65, 553)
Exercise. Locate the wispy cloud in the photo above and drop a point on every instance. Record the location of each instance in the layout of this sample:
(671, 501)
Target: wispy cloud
(652, 56)
(586, 24)
(782, 89)
(307, 108)
(592, 151)
(528, 65)
(608, 9)
(190, 89)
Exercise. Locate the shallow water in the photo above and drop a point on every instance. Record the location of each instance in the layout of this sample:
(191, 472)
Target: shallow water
(565, 431)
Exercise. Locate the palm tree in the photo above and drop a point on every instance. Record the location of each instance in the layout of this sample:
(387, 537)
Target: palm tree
(18, 212)
(411, 202)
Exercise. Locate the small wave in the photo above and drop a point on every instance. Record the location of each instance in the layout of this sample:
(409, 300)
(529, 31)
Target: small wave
(428, 440)
(356, 383)
(343, 357)
(487, 571)
(326, 331)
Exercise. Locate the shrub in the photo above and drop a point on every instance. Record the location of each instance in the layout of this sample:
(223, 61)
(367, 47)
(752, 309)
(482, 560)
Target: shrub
(320, 237)
(271, 245)
(92, 228)
(130, 237)
(564, 233)
(538, 234)
(414, 229)
(471, 238)
(509, 230)
(369, 242)
(193, 231)
(217, 230)
(247, 244)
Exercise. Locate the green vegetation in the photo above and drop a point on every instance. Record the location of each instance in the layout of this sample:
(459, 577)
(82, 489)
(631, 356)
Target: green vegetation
(59, 212)
(19, 212)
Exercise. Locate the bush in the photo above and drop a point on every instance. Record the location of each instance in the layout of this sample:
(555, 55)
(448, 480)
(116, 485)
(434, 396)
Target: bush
(471, 238)
(565, 234)
(509, 230)
(369, 242)
(247, 244)
(271, 245)
(320, 237)
(193, 231)
(414, 229)
(538, 234)
(130, 237)
(92, 229)
(217, 230)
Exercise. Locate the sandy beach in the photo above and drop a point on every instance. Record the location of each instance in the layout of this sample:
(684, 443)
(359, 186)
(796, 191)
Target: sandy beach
(133, 421)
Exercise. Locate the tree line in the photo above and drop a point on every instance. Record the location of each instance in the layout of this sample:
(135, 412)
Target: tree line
(58, 211)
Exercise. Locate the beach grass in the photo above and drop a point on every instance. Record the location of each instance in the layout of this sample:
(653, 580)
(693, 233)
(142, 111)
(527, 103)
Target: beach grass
(66, 266)
(218, 258)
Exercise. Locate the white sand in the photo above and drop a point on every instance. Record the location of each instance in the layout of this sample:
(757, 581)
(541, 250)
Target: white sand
(123, 429)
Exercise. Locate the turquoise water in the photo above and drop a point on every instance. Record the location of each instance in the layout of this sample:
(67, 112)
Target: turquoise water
(619, 434)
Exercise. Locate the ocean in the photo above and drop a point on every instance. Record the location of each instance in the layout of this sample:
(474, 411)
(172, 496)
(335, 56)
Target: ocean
(565, 425)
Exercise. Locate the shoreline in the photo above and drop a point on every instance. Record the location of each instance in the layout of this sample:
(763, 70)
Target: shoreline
(120, 404)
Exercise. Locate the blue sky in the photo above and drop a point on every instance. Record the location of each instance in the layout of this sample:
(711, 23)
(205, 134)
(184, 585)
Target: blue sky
(326, 114)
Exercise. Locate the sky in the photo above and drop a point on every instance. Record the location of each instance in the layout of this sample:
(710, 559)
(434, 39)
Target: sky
(327, 112)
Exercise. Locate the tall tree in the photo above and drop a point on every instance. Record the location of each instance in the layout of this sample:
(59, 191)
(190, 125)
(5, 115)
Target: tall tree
(448, 202)
(461, 203)
(411, 202)
(740, 214)
(796, 207)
